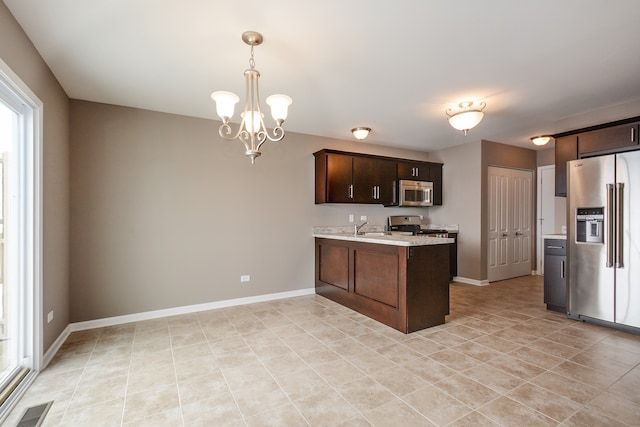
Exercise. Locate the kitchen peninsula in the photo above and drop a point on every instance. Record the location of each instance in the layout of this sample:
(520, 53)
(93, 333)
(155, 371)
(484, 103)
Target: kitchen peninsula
(398, 279)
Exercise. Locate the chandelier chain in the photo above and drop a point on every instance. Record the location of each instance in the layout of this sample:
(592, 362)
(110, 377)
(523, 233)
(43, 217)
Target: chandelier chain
(252, 62)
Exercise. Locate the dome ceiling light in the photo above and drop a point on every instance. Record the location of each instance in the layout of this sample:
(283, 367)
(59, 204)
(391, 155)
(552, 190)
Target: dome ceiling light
(467, 117)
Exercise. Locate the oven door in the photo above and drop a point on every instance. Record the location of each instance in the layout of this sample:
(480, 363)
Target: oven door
(416, 193)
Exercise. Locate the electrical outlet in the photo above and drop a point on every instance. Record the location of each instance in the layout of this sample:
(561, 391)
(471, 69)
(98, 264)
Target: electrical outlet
(363, 217)
(50, 317)
(350, 217)
(246, 278)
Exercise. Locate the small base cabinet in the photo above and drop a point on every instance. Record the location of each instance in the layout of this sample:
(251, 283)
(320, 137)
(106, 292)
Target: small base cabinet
(404, 287)
(555, 279)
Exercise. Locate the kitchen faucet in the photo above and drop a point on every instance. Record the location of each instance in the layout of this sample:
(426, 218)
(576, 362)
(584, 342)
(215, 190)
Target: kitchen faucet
(358, 227)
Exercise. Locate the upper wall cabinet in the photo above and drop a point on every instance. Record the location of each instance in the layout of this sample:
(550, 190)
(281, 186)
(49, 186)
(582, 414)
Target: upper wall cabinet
(593, 141)
(343, 177)
(608, 139)
(566, 150)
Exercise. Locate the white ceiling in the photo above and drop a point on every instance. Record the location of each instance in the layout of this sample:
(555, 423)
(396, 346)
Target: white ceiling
(543, 66)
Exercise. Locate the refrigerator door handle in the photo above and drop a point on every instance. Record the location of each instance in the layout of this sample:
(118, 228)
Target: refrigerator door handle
(619, 223)
(610, 220)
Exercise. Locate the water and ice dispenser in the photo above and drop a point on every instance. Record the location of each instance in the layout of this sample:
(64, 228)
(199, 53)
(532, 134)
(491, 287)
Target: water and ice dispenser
(590, 225)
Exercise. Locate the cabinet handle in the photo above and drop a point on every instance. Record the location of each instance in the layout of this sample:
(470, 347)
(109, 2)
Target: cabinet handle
(373, 192)
(562, 269)
(554, 247)
(351, 191)
(633, 134)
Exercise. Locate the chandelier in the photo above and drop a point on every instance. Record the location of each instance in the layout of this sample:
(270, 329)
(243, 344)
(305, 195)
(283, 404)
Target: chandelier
(467, 117)
(252, 131)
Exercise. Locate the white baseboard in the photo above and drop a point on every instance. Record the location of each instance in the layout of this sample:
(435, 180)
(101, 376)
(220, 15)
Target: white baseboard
(468, 281)
(137, 317)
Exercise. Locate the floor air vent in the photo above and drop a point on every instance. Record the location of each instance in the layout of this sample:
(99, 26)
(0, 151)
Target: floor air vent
(34, 416)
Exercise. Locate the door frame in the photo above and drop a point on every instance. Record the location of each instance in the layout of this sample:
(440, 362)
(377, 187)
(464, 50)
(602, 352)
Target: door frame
(539, 239)
(29, 224)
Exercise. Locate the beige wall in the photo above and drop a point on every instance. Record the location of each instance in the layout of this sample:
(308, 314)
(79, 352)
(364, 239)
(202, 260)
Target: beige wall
(465, 190)
(462, 191)
(165, 214)
(18, 53)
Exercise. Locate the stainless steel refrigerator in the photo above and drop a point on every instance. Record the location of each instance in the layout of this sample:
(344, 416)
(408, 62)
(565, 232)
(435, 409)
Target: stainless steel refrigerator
(603, 239)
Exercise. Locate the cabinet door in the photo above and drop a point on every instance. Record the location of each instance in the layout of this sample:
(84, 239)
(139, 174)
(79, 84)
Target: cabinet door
(555, 282)
(435, 176)
(373, 180)
(566, 150)
(414, 171)
(608, 139)
(339, 178)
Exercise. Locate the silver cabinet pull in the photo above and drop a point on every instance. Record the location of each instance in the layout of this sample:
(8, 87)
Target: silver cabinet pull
(619, 223)
(351, 191)
(562, 269)
(633, 134)
(610, 216)
(554, 247)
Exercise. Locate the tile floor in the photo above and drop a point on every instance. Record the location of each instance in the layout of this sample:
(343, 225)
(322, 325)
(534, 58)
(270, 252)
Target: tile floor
(501, 359)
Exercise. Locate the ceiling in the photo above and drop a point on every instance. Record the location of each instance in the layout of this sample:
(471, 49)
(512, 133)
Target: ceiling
(543, 66)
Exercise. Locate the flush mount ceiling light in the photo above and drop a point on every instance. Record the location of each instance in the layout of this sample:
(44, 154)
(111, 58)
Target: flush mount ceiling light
(541, 140)
(252, 131)
(467, 117)
(360, 133)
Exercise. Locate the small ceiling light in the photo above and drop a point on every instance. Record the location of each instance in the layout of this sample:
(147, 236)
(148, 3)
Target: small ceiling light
(252, 131)
(541, 139)
(360, 133)
(467, 117)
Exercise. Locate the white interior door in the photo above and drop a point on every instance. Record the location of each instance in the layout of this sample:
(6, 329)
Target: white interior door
(510, 223)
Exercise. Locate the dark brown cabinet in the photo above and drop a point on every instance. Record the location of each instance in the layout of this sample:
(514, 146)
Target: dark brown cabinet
(413, 170)
(608, 139)
(566, 150)
(343, 177)
(374, 180)
(404, 287)
(555, 281)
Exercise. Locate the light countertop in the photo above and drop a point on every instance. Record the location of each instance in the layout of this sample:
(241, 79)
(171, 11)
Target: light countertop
(396, 238)
(554, 236)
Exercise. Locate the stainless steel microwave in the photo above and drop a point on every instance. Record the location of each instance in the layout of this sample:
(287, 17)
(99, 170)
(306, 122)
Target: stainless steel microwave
(415, 193)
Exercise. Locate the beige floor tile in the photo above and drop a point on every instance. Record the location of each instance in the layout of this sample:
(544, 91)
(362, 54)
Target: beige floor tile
(468, 391)
(493, 378)
(454, 360)
(286, 415)
(628, 386)
(365, 394)
(325, 409)
(474, 419)
(477, 351)
(594, 377)
(396, 413)
(150, 402)
(436, 405)
(107, 413)
(259, 397)
(590, 417)
(508, 412)
(516, 367)
(303, 383)
(536, 357)
(399, 380)
(429, 370)
(618, 408)
(542, 400)
(195, 388)
(566, 387)
(217, 410)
